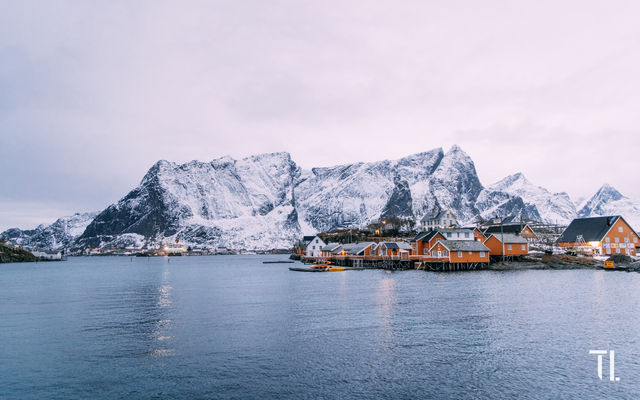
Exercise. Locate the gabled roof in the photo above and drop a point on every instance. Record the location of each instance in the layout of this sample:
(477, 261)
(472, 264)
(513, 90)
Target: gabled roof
(331, 247)
(357, 248)
(426, 236)
(508, 238)
(591, 229)
(420, 235)
(397, 245)
(464, 245)
(506, 228)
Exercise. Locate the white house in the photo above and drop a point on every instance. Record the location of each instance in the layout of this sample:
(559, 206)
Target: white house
(457, 233)
(439, 219)
(314, 246)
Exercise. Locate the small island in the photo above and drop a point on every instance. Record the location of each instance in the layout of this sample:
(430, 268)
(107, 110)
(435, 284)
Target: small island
(10, 254)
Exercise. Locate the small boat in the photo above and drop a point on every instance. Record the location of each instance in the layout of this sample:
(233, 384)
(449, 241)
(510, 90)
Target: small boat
(317, 268)
(279, 262)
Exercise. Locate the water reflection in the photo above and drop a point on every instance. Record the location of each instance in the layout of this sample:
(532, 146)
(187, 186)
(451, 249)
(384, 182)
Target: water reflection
(386, 299)
(160, 334)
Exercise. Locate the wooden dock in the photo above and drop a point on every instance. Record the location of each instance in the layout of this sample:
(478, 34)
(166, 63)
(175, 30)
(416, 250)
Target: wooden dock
(397, 263)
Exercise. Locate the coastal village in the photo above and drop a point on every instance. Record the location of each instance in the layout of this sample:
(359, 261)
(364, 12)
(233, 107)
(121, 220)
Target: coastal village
(444, 245)
(439, 244)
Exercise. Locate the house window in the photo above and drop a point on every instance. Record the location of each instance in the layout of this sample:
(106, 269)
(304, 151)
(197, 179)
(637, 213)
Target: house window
(444, 253)
(626, 240)
(616, 239)
(522, 247)
(466, 235)
(607, 240)
(482, 254)
(439, 253)
(617, 251)
(459, 254)
(635, 240)
(620, 229)
(509, 247)
(426, 251)
(448, 234)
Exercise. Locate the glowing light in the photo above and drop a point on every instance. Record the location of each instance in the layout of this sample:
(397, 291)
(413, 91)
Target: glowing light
(594, 244)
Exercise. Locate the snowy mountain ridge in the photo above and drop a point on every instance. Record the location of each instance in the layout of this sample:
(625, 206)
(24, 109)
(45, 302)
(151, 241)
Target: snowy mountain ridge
(267, 201)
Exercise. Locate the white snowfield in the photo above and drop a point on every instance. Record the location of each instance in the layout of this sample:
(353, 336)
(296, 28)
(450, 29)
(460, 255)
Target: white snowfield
(267, 201)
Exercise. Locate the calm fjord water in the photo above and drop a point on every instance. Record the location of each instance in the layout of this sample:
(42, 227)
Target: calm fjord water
(232, 327)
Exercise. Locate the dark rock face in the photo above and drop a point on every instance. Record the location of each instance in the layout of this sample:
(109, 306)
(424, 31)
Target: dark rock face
(144, 211)
(400, 203)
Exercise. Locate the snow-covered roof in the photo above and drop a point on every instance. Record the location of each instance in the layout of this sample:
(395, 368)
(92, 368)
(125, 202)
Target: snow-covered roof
(464, 245)
(397, 245)
(330, 247)
(357, 248)
(508, 238)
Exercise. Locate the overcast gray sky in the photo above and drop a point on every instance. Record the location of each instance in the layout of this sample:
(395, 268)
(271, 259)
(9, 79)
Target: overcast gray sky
(92, 93)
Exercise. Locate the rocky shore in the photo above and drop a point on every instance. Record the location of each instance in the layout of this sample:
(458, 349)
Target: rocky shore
(10, 254)
(562, 262)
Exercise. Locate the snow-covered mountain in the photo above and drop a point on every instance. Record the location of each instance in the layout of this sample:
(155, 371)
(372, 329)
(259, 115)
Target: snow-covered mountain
(609, 201)
(356, 195)
(550, 207)
(246, 203)
(267, 201)
(59, 235)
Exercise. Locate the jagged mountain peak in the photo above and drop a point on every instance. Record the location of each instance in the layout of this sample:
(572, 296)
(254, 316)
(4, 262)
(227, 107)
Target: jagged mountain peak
(609, 201)
(609, 193)
(538, 201)
(510, 180)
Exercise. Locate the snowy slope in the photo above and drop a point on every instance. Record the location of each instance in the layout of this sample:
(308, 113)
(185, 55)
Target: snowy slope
(551, 207)
(244, 203)
(609, 201)
(61, 234)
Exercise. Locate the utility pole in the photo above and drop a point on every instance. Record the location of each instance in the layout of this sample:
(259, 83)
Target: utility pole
(502, 238)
